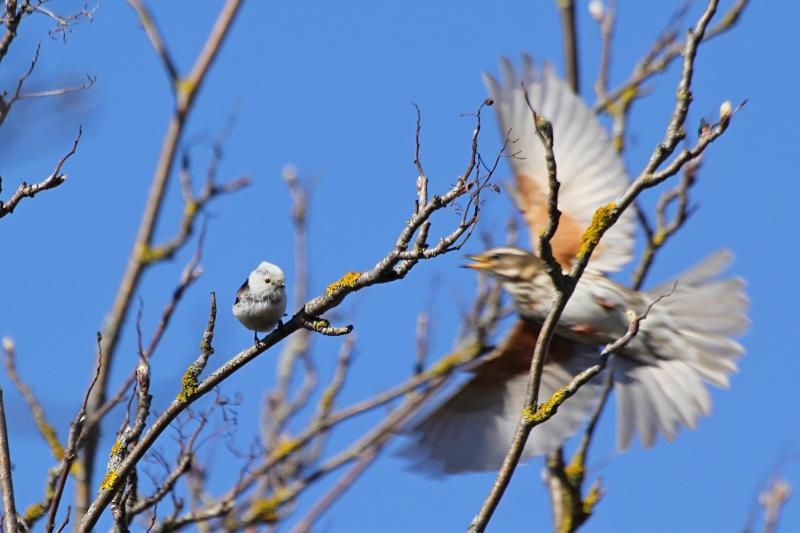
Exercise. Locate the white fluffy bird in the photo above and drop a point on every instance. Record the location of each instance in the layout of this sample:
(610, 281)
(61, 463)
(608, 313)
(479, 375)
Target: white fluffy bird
(261, 300)
(661, 377)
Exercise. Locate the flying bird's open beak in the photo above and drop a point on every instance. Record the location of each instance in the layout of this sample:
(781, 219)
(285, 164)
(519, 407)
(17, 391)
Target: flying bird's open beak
(479, 262)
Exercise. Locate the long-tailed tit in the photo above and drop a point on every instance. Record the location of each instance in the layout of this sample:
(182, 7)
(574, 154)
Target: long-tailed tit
(261, 300)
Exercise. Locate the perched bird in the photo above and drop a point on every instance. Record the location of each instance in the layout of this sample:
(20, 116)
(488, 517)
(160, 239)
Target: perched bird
(659, 377)
(261, 300)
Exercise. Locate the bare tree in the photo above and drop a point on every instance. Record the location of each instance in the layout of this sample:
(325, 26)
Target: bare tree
(279, 467)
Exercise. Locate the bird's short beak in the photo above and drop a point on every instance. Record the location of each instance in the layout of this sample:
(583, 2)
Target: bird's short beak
(479, 263)
(280, 283)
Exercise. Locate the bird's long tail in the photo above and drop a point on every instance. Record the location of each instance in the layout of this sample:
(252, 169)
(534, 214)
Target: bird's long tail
(684, 343)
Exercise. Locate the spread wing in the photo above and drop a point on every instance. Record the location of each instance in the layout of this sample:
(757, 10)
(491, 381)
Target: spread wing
(590, 171)
(473, 428)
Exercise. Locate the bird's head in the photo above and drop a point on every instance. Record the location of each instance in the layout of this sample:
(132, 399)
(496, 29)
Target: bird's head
(507, 264)
(265, 276)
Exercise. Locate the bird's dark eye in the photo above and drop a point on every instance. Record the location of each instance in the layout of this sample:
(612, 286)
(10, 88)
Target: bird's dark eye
(267, 280)
(495, 257)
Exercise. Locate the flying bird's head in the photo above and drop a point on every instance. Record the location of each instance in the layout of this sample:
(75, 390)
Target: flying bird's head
(266, 277)
(507, 264)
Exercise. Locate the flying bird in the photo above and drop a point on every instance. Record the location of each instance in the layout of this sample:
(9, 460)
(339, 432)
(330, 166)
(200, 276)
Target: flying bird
(659, 378)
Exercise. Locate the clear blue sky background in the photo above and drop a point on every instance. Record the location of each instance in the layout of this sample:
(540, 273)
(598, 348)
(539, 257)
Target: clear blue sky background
(327, 86)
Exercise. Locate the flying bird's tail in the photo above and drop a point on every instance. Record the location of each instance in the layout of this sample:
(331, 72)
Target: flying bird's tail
(685, 342)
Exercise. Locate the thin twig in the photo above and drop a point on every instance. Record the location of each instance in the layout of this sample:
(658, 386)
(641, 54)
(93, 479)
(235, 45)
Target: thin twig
(544, 131)
(153, 33)
(66, 520)
(566, 9)
(664, 230)
(652, 65)
(606, 20)
(55, 179)
(6, 481)
(773, 498)
(45, 428)
(75, 429)
(335, 492)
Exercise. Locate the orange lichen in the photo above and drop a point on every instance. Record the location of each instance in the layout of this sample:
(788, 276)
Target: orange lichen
(109, 480)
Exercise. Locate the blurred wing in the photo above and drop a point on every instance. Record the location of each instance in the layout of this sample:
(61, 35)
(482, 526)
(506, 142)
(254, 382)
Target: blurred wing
(684, 344)
(472, 429)
(590, 171)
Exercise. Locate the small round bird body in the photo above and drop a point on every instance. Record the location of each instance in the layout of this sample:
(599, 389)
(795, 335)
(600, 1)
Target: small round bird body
(261, 300)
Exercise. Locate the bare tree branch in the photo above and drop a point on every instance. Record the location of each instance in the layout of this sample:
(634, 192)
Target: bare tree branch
(605, 16)
(335, 492)
(566, 9)
(149, 24)
(55, 179)
(659, 58)
(141, 254)
(69, 455)
(6, 482)
(773, 498)
(45, 428)
(391, 267)
(603, 219)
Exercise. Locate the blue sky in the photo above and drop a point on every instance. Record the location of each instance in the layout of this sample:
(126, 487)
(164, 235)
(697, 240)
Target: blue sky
(327, 87)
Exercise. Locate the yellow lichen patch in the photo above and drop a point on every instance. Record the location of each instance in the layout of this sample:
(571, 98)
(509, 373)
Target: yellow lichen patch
(592, 499)
(658, 238)
(528, 413)
(285, 448)
(185, 85)
(547, 409)
(576, 469)
(109, 480)
(76, 469)
(34, 513)
(445, 364)
(619, 143)
(629, 95)
(326, 402)
(320, 323)
(116, 449)
(617, 107)
(148, 254)
(601, 220)
(450, 361)
(190, 210)
(567, 522)
(51, 438)
(188, 384)
(348, 280)
(266, 509)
